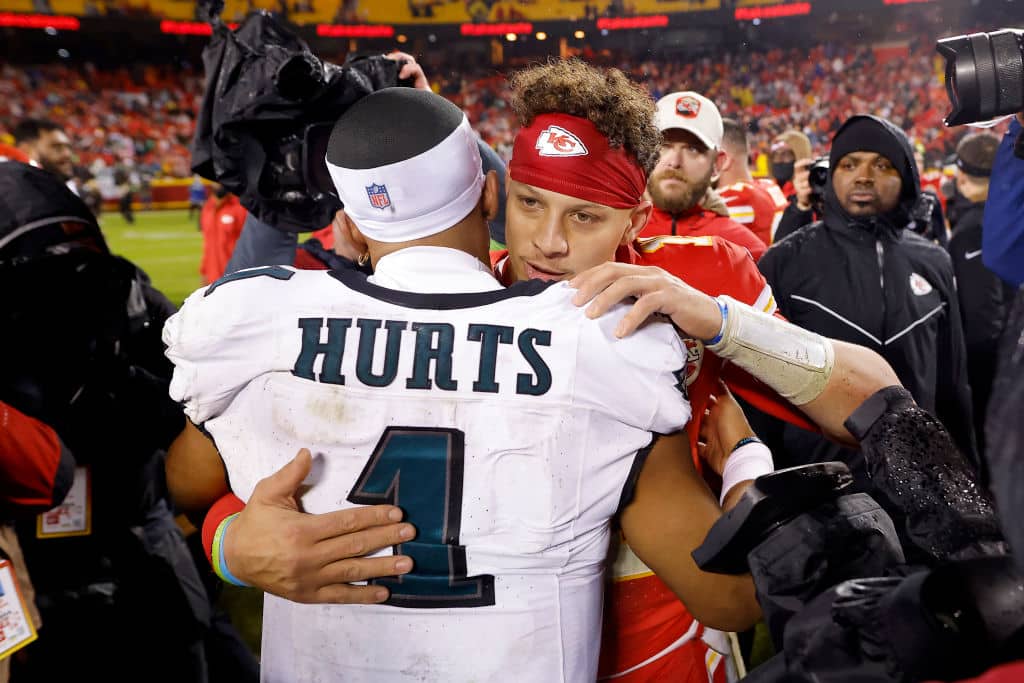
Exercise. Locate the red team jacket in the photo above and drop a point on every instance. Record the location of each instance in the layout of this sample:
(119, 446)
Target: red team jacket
(698, 222)
(755, 207)
(221, 221)
(36, 467)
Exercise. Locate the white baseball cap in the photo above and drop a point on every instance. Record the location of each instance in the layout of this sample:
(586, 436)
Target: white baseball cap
(692, 112)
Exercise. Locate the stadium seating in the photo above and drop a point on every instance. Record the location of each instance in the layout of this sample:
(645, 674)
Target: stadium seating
(146, 113)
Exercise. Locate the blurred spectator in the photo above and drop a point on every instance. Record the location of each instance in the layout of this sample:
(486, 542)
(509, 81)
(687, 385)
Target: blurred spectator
(221, 222)
(48, 146)
(89, 190)
(756, 206)
(787, 149)
(196, 197)
(125, 183)
(984, 298)
(680, 184)
(860, 276)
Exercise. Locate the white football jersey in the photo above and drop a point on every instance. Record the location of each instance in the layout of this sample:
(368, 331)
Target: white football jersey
(505, 423)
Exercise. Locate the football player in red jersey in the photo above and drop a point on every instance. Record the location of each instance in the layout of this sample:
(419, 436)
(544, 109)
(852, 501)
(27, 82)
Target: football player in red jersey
(563, 217)
(750, 204)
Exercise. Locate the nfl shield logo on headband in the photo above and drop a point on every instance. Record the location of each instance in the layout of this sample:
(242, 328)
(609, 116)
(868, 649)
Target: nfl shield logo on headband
(378, 195)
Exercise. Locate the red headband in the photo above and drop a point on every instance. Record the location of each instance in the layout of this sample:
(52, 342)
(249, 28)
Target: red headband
(568, 155)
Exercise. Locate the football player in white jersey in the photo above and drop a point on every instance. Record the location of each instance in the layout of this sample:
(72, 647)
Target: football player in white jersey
(508, 425)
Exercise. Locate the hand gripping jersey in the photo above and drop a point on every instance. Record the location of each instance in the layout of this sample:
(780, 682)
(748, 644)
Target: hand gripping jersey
(505, 423)
(756, 207)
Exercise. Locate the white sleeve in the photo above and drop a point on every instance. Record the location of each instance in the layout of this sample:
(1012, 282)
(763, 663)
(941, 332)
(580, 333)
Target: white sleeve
(638, 380)
(224, 336)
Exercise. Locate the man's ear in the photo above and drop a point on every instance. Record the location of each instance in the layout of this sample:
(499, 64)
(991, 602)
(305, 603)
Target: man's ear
(489, 196)
(637, 221)
(723, 162)
(348, 241)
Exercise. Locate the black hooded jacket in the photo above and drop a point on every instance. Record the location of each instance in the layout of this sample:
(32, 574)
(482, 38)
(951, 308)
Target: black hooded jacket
(873, 282)
(984, 306)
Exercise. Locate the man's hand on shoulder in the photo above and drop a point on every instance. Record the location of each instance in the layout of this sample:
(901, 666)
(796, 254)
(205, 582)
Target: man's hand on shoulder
(656, 291)
(309, 558)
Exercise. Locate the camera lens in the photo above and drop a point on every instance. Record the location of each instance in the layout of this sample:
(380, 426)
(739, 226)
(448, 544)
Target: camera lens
(984, 75)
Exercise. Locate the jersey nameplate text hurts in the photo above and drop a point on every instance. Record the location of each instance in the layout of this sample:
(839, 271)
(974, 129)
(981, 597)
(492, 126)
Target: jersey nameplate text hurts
(432, 346)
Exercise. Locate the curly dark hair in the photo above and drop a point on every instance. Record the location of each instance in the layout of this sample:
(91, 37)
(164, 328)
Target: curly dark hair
(622, 110)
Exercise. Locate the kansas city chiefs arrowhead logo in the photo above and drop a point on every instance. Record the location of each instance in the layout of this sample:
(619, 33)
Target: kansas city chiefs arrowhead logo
(694, 359)
(688, 107)
(918, 285)
(555, 141)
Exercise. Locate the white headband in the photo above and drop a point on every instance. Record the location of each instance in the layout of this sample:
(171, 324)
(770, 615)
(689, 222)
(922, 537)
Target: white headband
(417, 197)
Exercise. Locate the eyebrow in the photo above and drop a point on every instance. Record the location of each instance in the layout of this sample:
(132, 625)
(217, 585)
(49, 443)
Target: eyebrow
(857, 157)
(526, 189)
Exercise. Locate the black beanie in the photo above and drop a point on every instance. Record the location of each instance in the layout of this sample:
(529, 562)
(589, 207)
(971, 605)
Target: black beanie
(867, 134)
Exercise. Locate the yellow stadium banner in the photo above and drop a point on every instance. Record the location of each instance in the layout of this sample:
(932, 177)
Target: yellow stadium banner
(462, 11)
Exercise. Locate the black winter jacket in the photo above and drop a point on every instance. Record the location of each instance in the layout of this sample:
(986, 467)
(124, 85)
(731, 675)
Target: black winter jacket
(875, 283)
(984, 304)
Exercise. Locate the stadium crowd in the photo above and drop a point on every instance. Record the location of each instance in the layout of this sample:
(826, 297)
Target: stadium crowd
(144, 116)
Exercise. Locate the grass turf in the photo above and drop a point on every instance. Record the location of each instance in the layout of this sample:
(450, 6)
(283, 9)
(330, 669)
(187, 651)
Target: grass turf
(165, 244)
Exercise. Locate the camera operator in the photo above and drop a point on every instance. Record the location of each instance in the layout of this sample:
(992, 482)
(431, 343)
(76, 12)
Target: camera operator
(984, 298)
(861, 276)
(1003, 237)
(804, 206)
(114, 580)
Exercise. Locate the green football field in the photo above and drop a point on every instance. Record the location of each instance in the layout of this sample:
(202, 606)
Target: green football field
(165, 244)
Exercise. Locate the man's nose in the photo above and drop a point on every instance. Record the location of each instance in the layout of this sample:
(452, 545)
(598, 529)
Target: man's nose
(550, 240)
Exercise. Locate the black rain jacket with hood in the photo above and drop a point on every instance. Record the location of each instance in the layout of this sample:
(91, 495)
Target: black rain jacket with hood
(874, 282)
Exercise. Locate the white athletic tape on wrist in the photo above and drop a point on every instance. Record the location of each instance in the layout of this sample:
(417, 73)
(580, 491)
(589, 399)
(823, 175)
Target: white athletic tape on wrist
(745, 463)
(794, 362)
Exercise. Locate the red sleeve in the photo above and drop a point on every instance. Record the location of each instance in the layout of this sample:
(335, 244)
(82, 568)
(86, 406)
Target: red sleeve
(229, 233)
(764, 214)
(728, 269)
(717, 265)
(37, 468)
(1007, 673)
(734, 232)
(763, 397)
(228, 505)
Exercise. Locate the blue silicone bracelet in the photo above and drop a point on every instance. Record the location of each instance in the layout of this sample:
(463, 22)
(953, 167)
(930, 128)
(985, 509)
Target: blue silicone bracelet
(220, 566)
(725, 317)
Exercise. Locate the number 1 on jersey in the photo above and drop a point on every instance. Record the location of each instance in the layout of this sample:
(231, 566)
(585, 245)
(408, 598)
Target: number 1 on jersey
(420, 470)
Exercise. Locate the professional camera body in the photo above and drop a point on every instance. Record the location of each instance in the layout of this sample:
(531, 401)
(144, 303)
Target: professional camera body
(267, 114)
(984, 75)
(818, 180)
